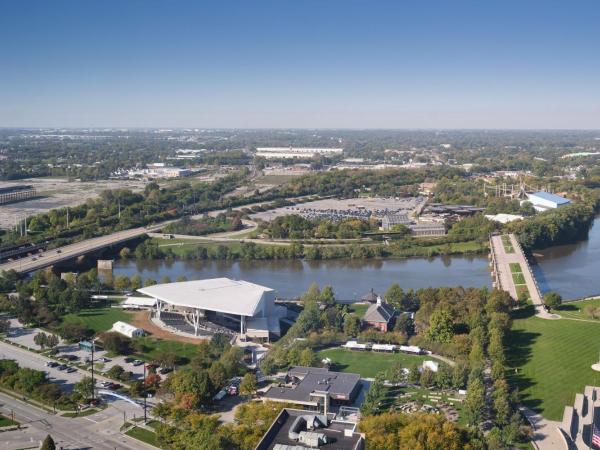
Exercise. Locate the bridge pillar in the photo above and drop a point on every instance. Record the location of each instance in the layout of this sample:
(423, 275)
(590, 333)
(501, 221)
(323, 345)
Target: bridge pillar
(105, 264)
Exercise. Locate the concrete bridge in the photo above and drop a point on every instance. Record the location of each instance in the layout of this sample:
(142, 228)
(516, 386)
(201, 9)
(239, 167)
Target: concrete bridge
(72, 251)
(508, 262)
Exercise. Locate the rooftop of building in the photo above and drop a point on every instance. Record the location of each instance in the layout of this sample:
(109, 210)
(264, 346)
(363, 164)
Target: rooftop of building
(340, 435)
(379, 313)
(315, 379)
(215, 294)
(550, 197)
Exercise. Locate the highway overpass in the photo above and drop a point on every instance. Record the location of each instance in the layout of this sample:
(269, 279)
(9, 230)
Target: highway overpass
(72, 251)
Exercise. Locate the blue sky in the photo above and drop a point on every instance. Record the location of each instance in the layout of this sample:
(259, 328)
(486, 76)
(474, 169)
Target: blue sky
(302, 64)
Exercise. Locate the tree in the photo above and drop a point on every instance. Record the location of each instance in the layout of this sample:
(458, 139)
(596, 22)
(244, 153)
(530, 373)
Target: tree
(84, 388)
(474, 404)
(395, 296)
(4, 325)
(115, 342)
(48, 443)
(248, 385)
(351, 325)
(307, 357)
(122, 283)
(441, 328)
(41, 339)
(52, 340)
(552, 300)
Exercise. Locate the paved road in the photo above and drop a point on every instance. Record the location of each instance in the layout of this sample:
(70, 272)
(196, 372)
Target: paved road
(50, 257)
(97, 431)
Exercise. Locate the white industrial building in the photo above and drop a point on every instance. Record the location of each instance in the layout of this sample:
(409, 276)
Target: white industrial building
(217, 305)
(295, 152)
(127, 330)
(543, 201)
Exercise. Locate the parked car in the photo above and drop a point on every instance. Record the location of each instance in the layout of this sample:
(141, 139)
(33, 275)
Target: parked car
(61, 367)
(232, 390)
(51, 364)
(105, 384)
(114, 386)
(164, 370)
(103, 359)
(71, 370)
(137, 362)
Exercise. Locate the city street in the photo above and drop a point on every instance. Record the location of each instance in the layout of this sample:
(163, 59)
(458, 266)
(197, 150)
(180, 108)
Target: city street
(97, 431)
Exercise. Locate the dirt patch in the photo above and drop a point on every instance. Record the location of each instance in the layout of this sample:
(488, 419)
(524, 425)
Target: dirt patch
(141, 319)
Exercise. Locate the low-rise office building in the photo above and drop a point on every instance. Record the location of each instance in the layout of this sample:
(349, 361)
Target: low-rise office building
(316, 388)
(295, 429)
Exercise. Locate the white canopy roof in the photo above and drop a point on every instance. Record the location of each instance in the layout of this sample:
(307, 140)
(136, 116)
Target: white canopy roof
(216, 294)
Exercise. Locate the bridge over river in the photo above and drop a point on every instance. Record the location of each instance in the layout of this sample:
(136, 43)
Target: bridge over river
(512, 273)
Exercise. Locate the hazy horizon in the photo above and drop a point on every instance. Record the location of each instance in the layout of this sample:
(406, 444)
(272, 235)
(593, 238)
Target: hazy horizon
(341, 64)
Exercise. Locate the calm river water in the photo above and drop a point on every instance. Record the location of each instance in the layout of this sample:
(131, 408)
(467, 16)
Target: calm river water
(571, 270)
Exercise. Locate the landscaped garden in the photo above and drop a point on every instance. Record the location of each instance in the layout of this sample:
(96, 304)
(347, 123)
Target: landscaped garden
(506, 242)
(367, 364)
(144, 435)
(550, 360)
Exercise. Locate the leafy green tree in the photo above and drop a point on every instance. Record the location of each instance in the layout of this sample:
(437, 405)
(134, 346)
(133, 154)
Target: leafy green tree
(395, 296)
(474, 404)
(351, 325)
(441, 328)
(248, 385)
(84, 388)
(552, 300)
(4, 325)
(307, 357)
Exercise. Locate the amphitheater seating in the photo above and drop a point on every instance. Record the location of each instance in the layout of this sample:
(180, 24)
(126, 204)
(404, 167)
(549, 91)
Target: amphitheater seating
(176, 321)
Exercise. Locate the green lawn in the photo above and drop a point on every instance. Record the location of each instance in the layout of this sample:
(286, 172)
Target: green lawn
(515, 267)
(518, 278)
(143, 435)
(575, 310)
(367, 364)
(549, 360)
(99, 319)
(358, 309)
(6, 422)
(85, 412)
(522, 289)
(155, 346)
(506, 242)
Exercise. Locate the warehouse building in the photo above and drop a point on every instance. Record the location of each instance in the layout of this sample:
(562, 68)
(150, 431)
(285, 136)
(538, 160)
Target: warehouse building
(17, 193)
(543, 201)
(295, 152)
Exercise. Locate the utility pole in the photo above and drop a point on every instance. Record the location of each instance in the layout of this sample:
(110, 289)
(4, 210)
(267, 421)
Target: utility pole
(145, 393)
(67, 217)
(93, 345)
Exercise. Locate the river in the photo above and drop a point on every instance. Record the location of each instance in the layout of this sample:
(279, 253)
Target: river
(571, 270)
(350, 278)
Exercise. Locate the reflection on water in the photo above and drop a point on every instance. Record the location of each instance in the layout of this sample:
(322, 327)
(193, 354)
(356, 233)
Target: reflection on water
(351, 278)
(571, 270)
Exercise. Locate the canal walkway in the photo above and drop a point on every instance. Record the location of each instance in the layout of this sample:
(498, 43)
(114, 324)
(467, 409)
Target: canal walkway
(512, 273)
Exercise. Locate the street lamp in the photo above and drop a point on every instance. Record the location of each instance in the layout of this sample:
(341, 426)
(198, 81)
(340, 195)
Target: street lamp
(145, 393)
(93, 345)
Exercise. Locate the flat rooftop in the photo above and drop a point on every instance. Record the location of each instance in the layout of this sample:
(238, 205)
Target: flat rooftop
(312, 379)
(278, 433)
(215, 294)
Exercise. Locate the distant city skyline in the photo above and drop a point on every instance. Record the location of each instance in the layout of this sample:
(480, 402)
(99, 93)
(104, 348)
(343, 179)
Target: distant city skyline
(313, 64)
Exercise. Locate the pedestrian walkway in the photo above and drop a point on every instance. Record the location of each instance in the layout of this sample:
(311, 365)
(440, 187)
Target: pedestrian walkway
(506, 252)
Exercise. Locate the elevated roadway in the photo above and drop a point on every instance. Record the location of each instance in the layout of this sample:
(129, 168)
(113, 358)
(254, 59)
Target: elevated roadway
(71, 251)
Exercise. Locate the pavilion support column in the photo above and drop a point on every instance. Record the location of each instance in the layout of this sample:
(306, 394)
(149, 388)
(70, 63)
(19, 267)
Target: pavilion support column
(158, 307)
(242, 325)
(196, 321)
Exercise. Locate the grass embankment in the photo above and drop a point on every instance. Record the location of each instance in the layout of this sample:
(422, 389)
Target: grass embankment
(144, 435)
(153, 347)
(6, 422)
(577, 310)
(550, 360)
(367, 364)
(358, 309)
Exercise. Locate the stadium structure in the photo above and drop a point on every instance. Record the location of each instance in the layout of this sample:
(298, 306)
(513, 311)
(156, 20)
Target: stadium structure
(204, 307)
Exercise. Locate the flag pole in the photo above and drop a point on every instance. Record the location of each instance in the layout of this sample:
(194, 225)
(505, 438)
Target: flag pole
(593, 418)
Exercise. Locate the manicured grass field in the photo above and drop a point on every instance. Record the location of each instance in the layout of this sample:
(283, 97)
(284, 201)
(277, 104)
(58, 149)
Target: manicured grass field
(575, 310)
(549, 360)
(155, 346)
(367, 364)
(508, 248)
(522, 289)
(6, 422)
(99, 319)
(515, 267)
(143, 435)
(518, 278)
